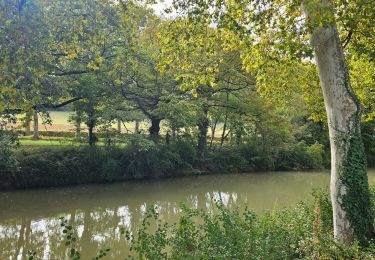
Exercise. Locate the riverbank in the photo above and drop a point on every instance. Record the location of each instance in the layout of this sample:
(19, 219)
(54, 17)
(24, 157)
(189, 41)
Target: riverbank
(42, 166)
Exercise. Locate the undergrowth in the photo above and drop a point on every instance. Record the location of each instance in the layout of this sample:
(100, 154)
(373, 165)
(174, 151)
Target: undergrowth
(302, 232)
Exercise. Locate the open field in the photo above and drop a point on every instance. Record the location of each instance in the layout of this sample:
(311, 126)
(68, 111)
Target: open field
(60, 123)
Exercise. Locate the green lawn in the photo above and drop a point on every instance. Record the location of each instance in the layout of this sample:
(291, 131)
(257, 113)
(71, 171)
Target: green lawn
(60, 117)
(45, 142)
(60, 124)
(59, 141)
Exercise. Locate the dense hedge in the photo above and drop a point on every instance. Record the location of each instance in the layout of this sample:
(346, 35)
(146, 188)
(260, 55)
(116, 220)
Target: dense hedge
(247, 157)
(60, 165)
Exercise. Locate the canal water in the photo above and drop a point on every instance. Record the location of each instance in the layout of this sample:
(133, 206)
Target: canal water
(29, 219)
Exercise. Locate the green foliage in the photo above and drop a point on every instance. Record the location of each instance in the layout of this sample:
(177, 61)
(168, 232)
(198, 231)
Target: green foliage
(62, 165)
(300, 156)
(44, 166)
(228, 160)
(31, 255)
(368, 137)
(323, 202)
(70, 238)
(148, 159)
(8, 161)
(248, 157)
(315, 152)
(56, 166)
(356, 200)
(303, 232)
(150, 245)
(185, 150)
(110, 170)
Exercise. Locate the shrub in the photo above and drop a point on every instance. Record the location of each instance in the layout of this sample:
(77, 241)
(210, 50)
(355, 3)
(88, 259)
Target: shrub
(227, 160)
(301, 232)
(110, 170)
(185, 150)
(8, 161)
(315, 153)
(300, 156)
(258, 159)
(56, 166)
(151, 160)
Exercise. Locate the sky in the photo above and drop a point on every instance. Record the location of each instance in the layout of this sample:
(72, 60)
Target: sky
(159, 7)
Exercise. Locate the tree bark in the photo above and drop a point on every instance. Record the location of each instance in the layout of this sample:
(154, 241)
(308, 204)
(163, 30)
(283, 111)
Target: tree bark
(238, 134)
(78, 124)
(91, 123)
(224, 129)
(202, 134)
(352, 215)
(36, 126)
(28, 127)
(174, 132)
(155, 126)
(213, 130)
(119, 126)
(91, 136)
(136, 129)
(225, 123)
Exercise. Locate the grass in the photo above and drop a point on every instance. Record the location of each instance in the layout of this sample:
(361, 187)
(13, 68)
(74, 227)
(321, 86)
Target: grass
(59, 117)
(58, 141)
(60, 123)
(47, 142)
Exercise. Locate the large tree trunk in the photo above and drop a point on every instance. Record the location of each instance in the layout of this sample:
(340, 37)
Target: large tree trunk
(155, 127)
(36, 126)
(352, 215)
(91, 135)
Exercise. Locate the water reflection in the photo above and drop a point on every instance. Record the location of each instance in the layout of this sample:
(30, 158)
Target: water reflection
(29, 219)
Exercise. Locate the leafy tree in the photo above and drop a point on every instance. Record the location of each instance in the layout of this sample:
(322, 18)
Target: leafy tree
(137, 78)
(280, 34)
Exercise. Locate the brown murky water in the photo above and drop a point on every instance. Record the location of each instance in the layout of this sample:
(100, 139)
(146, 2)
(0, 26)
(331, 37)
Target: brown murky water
(29, 219)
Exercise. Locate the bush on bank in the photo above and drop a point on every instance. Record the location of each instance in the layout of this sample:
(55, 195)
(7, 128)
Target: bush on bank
(142, 158)
(303, 232)
(57, 166)
(248, 157)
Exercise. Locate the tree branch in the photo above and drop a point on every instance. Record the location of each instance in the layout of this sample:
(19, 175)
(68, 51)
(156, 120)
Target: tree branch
(347, 39)
(67, 73)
